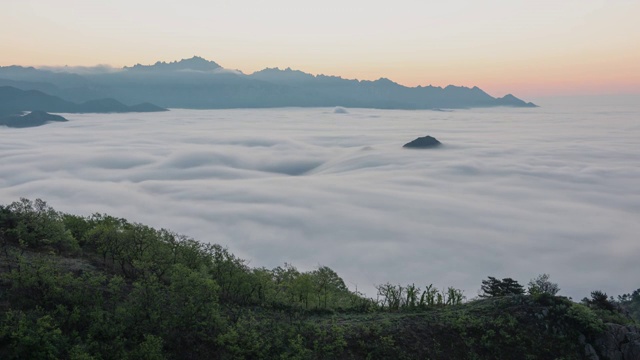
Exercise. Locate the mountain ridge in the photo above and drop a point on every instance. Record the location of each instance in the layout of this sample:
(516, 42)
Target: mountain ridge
(199, 83)
(195, 63)
(14, 100)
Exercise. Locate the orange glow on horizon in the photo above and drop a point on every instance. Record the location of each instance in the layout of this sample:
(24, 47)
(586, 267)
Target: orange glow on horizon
(523, 48)
(545, 79)
(586, 72)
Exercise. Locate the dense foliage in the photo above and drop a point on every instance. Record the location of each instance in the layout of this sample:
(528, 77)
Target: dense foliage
(496, 287)
(630, 303)
(100, 287)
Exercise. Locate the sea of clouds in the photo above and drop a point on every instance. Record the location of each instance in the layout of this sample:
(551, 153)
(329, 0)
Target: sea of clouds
(511, 193)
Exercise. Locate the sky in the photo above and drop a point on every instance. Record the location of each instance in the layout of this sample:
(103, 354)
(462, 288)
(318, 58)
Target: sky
(513, 192)
(528, 48)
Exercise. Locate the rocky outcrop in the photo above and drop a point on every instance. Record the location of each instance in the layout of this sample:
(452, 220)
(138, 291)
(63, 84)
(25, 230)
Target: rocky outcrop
(618, 342)
(425, 142)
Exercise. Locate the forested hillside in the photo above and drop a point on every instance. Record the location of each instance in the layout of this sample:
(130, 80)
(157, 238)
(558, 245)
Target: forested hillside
(101, 287)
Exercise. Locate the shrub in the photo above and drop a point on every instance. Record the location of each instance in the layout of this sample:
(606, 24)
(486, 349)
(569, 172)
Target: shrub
(542, 285)
(600, 300)
(585, 318)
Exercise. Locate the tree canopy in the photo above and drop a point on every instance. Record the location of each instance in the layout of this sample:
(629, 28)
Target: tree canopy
(492, 287)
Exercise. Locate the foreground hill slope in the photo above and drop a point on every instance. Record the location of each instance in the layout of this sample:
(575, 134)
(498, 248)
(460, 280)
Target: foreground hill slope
(100, 287)
(201, 84)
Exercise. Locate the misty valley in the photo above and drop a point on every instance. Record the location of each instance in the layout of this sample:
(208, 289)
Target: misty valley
(348, 180)
(184, 210)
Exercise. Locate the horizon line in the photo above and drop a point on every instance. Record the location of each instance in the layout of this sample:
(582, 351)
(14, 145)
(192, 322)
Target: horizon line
(115, 68)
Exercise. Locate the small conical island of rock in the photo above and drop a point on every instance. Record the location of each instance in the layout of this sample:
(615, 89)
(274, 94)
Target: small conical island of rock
(426, 142)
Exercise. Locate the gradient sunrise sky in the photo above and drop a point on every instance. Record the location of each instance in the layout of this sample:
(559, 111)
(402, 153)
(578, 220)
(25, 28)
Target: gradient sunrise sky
(528, 48)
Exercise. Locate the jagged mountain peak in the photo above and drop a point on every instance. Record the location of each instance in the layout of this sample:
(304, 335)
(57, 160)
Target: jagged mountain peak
(277, 75)
(196, 63)
(384, 80)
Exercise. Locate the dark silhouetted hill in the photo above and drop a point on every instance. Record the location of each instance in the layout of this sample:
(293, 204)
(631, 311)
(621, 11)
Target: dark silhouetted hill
(13, 101)
(45, 87)
(425, 142)
(34, 118)
(510, 100)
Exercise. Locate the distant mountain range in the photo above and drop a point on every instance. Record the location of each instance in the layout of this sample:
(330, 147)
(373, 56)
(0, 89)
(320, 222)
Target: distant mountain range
(13, 101)
(197, 83)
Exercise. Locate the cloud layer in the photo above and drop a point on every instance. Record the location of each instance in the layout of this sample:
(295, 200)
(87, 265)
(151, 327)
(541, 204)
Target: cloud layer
(511, 193)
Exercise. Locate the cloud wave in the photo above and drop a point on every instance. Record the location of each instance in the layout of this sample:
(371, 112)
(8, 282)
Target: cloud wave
(511, 193)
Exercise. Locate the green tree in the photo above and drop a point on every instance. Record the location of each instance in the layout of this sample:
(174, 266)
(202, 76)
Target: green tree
(600, 300)
(149, 349)
(284, 278)
(542, 285)
(495, 287)
(303, 288)
(35, 224)
(631, 304)
(192, 304)
(33, 335)
(326, 283)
